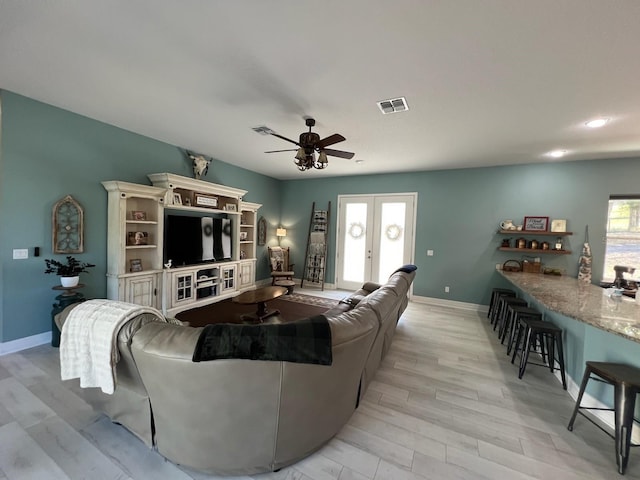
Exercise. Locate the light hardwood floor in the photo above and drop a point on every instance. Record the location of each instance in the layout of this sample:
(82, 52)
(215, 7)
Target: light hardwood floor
(445, 404)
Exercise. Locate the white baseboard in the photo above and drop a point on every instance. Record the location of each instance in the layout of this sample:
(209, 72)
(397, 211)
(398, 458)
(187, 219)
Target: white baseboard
(475, 307)
(24, 343)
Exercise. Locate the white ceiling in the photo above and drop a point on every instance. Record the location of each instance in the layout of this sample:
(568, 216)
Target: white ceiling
(491, 82)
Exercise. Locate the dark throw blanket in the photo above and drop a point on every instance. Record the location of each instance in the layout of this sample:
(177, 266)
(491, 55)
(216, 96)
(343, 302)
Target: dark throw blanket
(302, 341)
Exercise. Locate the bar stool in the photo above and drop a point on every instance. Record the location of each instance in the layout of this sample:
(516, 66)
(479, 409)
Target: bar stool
(495, 293)
(513, 316)
(547, 333)
(503, 303)
(626, 383)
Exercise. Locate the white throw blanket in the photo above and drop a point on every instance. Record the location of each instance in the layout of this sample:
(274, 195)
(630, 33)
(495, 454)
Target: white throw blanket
(88, 346)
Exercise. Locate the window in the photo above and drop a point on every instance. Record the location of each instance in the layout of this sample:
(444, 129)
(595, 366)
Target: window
(623, 235)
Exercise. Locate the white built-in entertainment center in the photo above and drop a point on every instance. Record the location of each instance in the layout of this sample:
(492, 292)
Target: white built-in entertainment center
(137, 270)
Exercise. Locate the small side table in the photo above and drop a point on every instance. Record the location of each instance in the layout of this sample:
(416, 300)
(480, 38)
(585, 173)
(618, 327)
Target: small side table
(68, 297)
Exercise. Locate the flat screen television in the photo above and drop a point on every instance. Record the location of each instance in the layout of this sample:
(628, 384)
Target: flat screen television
(191, 238)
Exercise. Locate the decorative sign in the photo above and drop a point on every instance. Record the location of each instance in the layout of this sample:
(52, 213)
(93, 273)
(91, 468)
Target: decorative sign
(558, 225)
(536, 224)
(206, 201)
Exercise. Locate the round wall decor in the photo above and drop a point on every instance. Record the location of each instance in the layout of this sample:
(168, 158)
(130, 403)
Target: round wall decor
(393, 232)
(356, 230)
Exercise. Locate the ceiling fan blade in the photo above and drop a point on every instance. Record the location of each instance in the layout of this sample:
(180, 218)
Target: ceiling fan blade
(338, 153)
(330, 140)
(285, 138)
(289, 150)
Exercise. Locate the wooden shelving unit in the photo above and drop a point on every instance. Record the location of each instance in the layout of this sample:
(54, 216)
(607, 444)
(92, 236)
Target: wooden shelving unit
(535, 234)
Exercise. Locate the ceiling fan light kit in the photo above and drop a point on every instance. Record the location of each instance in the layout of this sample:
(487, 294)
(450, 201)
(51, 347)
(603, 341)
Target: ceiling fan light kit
(310, 144)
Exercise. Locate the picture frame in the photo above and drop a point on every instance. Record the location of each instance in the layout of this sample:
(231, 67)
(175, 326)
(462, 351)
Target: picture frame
(231, 207)
(558, 225)
(535, 224)
(177, 198)
(138, 215)
(243, 236)
(137, 238)
(135, 265)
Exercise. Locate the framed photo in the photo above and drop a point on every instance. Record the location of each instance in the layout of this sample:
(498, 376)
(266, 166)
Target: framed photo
(231, 207)
(558, 225)
(535, 224)
(243, 236)
(177, 199)
(138, 215)
(137, 238)
(135, 265)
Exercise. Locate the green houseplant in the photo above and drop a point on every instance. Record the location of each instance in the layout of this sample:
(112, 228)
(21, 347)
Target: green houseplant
(68, 271)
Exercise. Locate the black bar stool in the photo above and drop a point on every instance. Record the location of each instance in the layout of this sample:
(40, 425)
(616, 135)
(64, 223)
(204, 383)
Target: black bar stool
(495, 293)
(510, 326)
(626, 385)
(501, 313)
(548, 334)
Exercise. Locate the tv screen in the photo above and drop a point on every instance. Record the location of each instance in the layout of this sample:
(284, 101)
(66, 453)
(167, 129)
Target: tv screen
(191, 239)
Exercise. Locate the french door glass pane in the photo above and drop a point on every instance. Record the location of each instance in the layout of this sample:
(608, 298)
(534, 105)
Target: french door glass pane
(355, 243)
(392, 239)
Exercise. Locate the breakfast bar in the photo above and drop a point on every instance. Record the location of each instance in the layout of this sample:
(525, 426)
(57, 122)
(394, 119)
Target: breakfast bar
(596, 327)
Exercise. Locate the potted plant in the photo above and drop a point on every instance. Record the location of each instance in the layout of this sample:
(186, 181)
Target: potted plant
(69, 271)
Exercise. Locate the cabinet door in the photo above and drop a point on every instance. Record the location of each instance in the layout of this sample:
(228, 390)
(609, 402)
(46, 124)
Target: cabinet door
(183, 287)
(228, 278)
(246, 275)
(142, 290)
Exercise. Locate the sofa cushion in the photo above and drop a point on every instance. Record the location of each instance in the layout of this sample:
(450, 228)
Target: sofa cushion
(303, 341)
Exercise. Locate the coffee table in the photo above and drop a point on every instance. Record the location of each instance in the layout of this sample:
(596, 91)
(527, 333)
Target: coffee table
(260, 297)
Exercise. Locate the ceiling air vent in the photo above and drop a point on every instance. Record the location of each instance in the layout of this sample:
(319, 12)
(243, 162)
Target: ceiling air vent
(393, 105)
(262, 130)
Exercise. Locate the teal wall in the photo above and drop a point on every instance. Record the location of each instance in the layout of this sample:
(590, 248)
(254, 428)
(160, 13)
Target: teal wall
(459, 211)
(48, 153)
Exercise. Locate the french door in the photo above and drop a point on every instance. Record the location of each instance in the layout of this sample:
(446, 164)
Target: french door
(376, 235)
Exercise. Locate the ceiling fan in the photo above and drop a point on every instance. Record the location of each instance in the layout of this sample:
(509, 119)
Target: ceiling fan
(309, 144)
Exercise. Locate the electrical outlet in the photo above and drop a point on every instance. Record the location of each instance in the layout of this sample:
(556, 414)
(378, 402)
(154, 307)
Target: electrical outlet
(446, 289)
(429, 253)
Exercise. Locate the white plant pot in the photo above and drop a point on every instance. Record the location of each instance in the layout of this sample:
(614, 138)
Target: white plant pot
(69, 281)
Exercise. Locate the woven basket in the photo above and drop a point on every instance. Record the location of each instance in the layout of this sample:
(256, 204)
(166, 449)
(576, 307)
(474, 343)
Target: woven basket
(512, 266)
(531, 267)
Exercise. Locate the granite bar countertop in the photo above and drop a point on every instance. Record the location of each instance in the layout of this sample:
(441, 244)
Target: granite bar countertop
(583, 302)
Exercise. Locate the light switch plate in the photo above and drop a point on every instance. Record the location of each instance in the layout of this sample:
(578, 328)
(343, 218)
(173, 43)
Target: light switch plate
(20, 253)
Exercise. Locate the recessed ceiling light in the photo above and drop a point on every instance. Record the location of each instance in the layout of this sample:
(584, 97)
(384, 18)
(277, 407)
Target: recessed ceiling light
(557, 153)
(597, 122)
(359, 161)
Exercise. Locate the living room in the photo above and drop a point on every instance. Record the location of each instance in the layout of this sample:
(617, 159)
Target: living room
(49, 149)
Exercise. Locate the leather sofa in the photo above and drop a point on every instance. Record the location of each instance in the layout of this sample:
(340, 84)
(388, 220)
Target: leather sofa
(236, 416)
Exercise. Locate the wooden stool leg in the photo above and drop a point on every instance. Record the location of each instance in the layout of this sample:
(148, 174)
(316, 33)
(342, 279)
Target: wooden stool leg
(625, 399)
(583, 386)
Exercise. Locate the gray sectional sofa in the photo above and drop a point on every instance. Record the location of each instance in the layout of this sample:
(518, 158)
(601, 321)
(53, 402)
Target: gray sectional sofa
(236, 416)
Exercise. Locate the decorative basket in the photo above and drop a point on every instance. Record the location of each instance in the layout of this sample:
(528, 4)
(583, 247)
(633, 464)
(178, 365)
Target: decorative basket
(512, 266)
(531, 267)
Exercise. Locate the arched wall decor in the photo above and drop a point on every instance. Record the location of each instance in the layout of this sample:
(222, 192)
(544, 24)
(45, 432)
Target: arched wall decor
(67, 225)
(262, 231)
